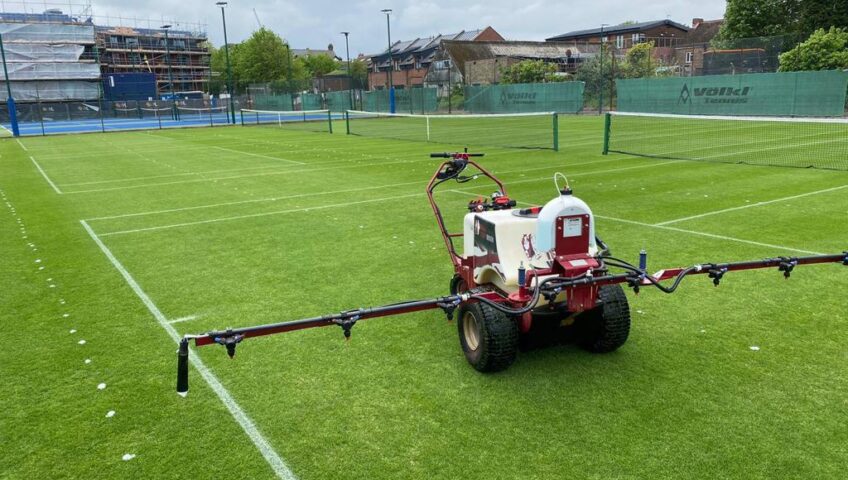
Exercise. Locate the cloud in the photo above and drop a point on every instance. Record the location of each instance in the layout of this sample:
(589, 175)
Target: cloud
(317, 23)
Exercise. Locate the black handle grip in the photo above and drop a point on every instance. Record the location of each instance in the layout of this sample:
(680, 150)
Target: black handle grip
(475, 154)
(182, 368)
(440, 155)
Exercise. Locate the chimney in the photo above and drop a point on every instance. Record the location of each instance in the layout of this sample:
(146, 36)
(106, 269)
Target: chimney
(696, 22)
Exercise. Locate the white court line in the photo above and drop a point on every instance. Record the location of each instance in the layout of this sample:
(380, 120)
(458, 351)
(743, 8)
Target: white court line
(4, 128)
(758, 204)
(21, 144)
(43, 174)
(274, 461)
(263, 214)
(170, 175)
(286, 197)
(256, 155)
(184, 319)
(710, 235)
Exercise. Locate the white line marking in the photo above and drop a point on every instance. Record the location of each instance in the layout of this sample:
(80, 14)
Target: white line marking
(257, 155)
(184, 319)
(21, 144)
(710, 235)
(750, 205)
(263, 214)
(274, 461)
(4, 128)
(301, 195)
(43, 174)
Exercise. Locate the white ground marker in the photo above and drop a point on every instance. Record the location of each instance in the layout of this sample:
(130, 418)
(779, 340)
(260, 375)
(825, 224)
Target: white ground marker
(274, 460)
(43, 174)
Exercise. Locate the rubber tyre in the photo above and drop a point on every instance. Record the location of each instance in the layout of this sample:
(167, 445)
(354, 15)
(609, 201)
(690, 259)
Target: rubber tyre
(457, 285)
(606, 328)
(496, 344)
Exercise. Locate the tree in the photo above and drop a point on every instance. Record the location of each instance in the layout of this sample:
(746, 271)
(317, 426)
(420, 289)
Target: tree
(531, 71)
(824, 50)
(359, 73)
(766, 18)
(320, 64)
(260, 59)
(639, 62)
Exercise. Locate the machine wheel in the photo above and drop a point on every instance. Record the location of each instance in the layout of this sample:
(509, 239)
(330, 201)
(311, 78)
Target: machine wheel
(457, 285)
(487, 336)
(606, 328)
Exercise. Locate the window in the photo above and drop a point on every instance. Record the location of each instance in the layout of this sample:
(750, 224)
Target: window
(619, 41)
(688, 57)
(604, 39)
(638, 38)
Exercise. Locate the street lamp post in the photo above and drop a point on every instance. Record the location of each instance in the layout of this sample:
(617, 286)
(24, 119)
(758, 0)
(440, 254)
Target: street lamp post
(601, 68)
(170, 75)
(13, 114)
(349, 73)
(390, 72)
(229, 70)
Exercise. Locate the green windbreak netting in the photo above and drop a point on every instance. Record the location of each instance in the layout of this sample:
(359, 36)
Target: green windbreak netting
(272, 102)
(311, 101)
(407, 100)
(339, 101)
(773, 94)
(564, 97)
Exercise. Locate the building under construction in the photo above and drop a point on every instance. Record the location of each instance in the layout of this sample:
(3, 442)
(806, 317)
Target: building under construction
(181, 65)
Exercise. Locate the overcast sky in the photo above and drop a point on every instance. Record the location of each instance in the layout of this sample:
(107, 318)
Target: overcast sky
(316, 23)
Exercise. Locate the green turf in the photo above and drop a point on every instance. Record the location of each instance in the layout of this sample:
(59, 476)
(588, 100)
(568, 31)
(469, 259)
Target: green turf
(241, 225)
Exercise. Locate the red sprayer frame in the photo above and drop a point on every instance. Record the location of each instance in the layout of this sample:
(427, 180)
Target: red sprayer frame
(579, 288)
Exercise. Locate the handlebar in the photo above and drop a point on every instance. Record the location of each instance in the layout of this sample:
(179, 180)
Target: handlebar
(451, 155)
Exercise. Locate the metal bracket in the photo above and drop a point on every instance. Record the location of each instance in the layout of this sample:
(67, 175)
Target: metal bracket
(716, 274)
(449, 308)
(786, 266)
(229, 340)
(347, 322)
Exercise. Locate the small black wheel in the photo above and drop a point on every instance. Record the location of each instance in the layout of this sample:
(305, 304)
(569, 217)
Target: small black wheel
(487, 336)
(457, 285)
(606, 328)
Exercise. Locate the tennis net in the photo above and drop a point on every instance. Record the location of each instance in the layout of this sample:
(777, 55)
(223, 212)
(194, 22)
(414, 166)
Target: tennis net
(519, 130)
(774, 141)
(304, 120)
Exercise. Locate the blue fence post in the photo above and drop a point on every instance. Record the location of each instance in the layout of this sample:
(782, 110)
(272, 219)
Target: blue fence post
(392, 100)
(13, 116)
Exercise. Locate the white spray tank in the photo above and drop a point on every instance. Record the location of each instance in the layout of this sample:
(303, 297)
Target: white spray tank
(565, 204)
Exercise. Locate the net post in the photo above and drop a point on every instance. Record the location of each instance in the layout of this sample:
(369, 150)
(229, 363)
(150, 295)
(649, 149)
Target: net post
(607, 118)
(556, 131)
(241, 116)
(347, 121)
(330, 120)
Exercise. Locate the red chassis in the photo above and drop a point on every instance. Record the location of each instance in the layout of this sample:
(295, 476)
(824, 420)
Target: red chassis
(573, 280)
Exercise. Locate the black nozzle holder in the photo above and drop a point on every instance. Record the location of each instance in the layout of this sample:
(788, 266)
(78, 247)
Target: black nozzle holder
(182, 368)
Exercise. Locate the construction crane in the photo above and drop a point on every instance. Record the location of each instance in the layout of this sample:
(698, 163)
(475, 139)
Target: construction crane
(257, 19)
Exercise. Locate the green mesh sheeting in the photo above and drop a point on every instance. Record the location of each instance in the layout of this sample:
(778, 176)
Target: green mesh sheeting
(311, 101)
(339, 101)
(773, 141)
(282, 102)
(564, 97)
(407, 100)
(820, 94)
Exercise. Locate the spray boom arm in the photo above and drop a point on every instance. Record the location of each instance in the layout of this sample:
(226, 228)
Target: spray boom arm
(634, 276)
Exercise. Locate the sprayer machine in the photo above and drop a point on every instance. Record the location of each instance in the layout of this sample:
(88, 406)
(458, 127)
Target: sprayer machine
(525, 276)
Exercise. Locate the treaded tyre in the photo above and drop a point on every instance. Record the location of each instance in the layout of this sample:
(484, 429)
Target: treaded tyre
(606, 328)
(457, 285)
(487, 336)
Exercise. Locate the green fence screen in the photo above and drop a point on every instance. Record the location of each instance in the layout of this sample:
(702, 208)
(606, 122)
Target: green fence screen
(282, 102)
(311, 101)
(773, 94)
(407, 100)
(564, 97)
(339, 101)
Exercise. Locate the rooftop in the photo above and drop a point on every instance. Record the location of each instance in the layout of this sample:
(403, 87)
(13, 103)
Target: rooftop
(617, 29)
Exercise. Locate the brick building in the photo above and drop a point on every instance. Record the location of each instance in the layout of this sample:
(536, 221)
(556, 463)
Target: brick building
(690, 53)
(665, 34)
(411, 59)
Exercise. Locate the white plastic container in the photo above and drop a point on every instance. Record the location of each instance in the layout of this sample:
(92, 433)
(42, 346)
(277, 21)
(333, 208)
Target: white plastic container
(564, 205)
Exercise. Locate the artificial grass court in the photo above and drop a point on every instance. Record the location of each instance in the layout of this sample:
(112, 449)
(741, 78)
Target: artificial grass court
(200, 229)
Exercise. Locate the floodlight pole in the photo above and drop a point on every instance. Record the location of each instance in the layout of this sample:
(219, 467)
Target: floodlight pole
(349, 73)
(289, 68)
(601, 86)
(229, 69)
(13, 114)
(170, 75)
(390, 72)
